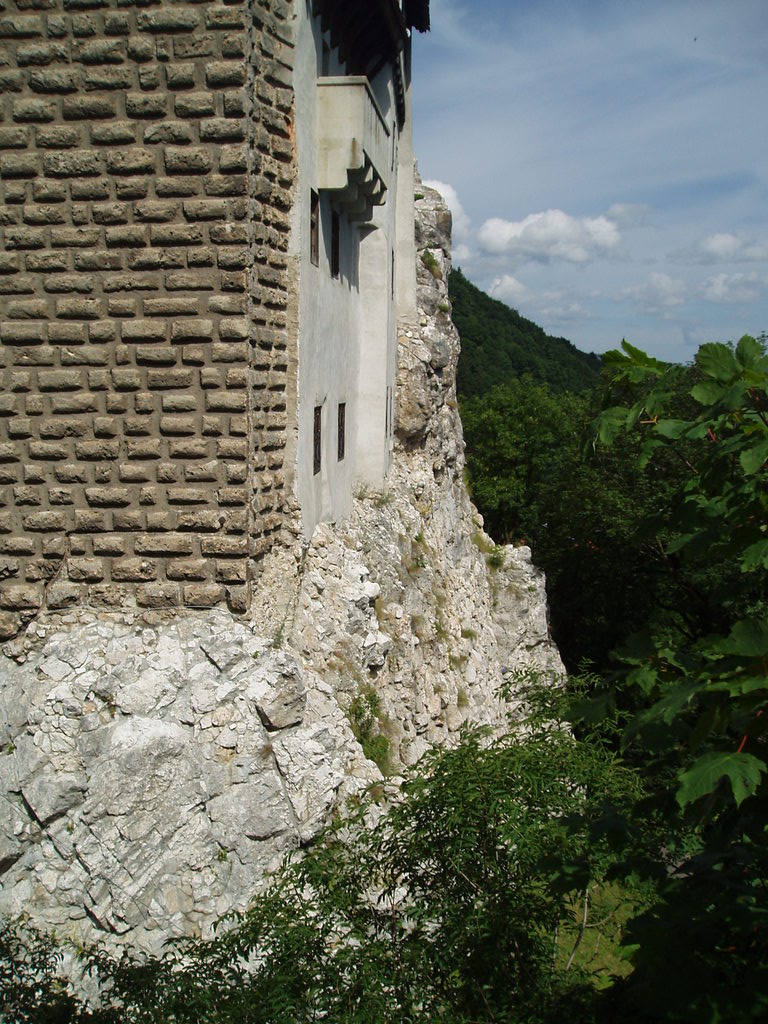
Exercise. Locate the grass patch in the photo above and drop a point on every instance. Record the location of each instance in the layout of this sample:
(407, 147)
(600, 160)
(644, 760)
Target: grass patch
(365, 719)
(430, 262)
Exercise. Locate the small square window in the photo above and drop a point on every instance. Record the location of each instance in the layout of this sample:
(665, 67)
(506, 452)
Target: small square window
(314, 228)
(342, 430)
(317, 446)
(335, 241)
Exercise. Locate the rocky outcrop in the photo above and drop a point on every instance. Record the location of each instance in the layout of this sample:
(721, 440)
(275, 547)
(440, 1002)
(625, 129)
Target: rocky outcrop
(155, 766)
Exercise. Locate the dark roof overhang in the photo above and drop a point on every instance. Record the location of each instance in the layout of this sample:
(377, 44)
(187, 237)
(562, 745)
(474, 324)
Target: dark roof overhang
(372, 33)
(417, 14)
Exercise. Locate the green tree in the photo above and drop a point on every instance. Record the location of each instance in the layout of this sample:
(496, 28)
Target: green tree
(498, 345)
(580, 511)
(695, 695)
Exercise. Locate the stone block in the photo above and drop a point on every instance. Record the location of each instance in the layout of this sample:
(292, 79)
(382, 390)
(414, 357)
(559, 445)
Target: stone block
(113, 133)
(102, 450)
(225, 401)
(180, 76)
(156, 355)
(224, 547)
(128, 520)
(109, 545)
(133, 570)
(219, 74)
(167, 20)
(191, 569)
(194, 105)
(128, 236)
(203, 595)
(59, 380)
(107, 497)
(20, 597)
(178, 425)
(33, 111)
(175, 234)
(106, 78)
(155, 210)
(222, 129)
(24, 238)
(166, 545)
(232, 448)
(75, 238)
(189, 160)
(47, 451)
(157, 595)
(79, 309)
(64, 595)
(65, 426)
(85, 570)
(132, 160)
(146, 105)
(87, 108)
(100, 51)
(226, 185)
(94, 188)
(45, 521)
(144, 449)
(19, 165)
(191, 329)
(134, 331)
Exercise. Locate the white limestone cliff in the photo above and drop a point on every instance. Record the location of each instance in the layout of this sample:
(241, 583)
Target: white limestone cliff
(155, 766)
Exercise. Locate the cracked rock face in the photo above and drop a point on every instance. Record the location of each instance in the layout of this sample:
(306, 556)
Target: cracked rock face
(152, 774)
(153, 767)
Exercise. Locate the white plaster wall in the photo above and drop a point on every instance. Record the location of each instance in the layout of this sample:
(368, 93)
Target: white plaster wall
(347, 326)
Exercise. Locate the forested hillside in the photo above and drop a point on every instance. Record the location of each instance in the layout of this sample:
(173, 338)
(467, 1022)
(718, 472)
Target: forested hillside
(497, 345)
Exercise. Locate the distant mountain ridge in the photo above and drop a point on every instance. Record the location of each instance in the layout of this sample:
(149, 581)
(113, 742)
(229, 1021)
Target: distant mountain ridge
(498, 344)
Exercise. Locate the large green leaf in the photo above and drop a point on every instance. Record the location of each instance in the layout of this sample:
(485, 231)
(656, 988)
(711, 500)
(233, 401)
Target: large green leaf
(751, 354)
(718, 361)
(753, 459)
(755, 556)
(611, 424)
(742, 770)
(748, 638)
(641, 358)
(707, 392)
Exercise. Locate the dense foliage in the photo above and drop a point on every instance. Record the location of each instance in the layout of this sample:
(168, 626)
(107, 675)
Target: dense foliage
(497, 344)
(633, 803)
(456, 906)
(533, 482)
(693, 687)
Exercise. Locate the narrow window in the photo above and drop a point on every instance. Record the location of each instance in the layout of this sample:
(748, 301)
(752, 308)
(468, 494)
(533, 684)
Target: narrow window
(335, 231)
(317, 439)
(342, 429)
(387, 412)
(314, 228)
(392, 275)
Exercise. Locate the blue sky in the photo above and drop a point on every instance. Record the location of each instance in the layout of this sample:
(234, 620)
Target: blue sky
(606, 162)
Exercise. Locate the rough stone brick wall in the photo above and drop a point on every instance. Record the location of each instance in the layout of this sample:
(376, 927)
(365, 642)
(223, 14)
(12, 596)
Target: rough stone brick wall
(146, 168)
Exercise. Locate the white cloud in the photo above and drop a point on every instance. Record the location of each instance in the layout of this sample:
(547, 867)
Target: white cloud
(550, 235)
(628, 215)
(461, 223)
(724, 247)
(508, 289)
(724, 288)
(659, 294)
(554, 306)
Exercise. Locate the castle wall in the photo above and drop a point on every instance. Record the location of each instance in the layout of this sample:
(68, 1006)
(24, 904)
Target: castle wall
(146, 339)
